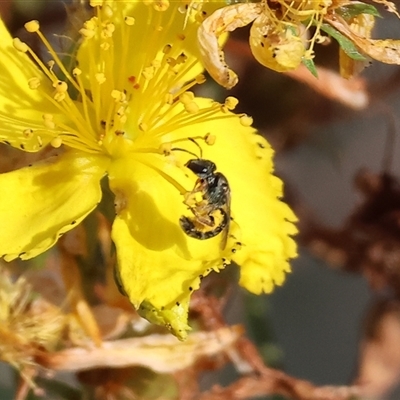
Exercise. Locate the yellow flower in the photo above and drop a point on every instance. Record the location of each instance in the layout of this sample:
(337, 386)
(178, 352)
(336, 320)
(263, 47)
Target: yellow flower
(281, 38)
(125, 111)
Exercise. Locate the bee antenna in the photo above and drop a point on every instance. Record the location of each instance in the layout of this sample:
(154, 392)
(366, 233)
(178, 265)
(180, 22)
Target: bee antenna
(201, 150)
(184, 150)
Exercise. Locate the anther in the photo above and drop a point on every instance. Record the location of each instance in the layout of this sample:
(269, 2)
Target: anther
(20, 46)
(87, 33)
(61, 90)
(60, 86)
(34, 83)
(120, 112)
(148, 73)
(48, 121)
(76, 71)
(200, 79)
(166, 149)
(181, 58)
(210, 139)
(118, 96)
(231, 102)
(108, 11)
(245, 120)
(89, 28)
(129, 21)
(161, 5)
(56, 142)
(108, 31)
(186, 97)
(32, 26)
(28, 133)
(167, 48)
(100, 78)
(191, 107)
(171, 61)
(156, 64)
(183, 9)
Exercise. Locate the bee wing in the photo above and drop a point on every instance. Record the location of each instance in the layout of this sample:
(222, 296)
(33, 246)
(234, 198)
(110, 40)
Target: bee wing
(227, 210)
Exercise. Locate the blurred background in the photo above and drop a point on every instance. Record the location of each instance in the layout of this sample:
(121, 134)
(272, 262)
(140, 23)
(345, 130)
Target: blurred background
(312, 325)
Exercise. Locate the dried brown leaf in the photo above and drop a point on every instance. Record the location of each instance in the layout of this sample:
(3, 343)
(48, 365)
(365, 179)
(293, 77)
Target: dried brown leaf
(161, 353)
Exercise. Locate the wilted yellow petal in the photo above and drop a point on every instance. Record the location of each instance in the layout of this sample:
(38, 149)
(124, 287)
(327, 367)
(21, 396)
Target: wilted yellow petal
(40, 202)
(362, 25)
(224, 20)
(280, 50)
(384, 50)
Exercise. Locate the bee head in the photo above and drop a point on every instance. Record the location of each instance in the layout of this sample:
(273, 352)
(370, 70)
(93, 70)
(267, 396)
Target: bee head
(202, 168)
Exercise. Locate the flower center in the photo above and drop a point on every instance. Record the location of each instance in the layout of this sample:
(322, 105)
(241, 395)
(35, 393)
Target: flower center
(128, 92)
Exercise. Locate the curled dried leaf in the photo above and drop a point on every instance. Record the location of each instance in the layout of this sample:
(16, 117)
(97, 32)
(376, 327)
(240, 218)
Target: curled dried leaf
(161, 353)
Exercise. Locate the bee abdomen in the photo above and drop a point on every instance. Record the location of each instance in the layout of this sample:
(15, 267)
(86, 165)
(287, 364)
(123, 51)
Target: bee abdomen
(189, 226)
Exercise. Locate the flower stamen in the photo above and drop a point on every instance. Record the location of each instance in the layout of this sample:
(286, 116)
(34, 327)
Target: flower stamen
(33, 27)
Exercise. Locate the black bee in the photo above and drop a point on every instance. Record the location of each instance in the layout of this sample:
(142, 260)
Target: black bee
(211, 215)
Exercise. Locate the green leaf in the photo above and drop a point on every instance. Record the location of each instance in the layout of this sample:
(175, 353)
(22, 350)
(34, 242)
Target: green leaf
(346, 44)
(309, 64)
(350, 11)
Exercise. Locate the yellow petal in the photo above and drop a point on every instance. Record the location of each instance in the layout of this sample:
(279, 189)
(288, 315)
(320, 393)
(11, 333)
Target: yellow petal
(40, 202)
(159, 265)
(261, 221)
(280, 50)
(22, 108)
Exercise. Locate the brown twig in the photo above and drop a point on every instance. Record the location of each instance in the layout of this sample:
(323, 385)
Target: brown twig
(260, 380)
(276, 382)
